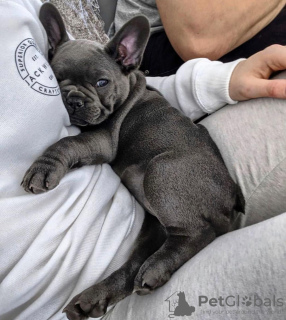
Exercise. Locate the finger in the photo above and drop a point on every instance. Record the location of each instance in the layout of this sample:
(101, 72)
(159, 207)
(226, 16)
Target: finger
(275, 57)
(267, 88)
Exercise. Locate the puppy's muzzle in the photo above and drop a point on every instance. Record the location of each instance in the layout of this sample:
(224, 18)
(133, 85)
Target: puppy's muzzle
(75, 103)
(75, 100)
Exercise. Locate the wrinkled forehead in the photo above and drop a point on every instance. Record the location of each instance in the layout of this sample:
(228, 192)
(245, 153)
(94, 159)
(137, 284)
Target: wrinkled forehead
(82, 60)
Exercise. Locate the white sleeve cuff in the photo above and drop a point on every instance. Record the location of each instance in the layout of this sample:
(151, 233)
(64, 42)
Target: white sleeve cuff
(211, 84)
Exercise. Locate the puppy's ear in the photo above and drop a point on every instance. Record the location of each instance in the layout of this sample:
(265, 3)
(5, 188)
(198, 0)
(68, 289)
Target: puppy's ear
(54, 26)
(128, 45)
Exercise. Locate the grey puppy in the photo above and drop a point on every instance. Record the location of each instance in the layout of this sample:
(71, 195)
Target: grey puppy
(169, 164)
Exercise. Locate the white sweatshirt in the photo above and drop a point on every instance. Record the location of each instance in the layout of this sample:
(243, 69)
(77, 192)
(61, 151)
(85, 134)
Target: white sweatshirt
(54, 245)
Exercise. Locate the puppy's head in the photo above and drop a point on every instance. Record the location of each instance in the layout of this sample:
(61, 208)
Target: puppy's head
(94, 79)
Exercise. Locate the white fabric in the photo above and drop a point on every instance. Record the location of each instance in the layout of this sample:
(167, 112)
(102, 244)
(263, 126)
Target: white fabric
(199, 87)
(56, 244)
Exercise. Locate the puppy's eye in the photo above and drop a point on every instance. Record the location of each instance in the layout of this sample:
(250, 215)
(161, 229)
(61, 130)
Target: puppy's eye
(101, 83)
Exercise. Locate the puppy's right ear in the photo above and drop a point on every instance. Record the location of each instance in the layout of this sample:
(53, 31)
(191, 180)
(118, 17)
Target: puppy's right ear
(128, 45)
(54, 26)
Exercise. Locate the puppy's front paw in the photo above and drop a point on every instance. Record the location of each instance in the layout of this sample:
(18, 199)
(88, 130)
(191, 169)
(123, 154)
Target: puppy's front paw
(44, 174)
(73, 310)
(92, 302)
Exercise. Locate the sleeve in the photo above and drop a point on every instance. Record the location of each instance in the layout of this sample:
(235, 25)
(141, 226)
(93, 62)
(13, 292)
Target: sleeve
(199, 87)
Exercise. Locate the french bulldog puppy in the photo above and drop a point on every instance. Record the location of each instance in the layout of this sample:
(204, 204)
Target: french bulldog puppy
(172, 166)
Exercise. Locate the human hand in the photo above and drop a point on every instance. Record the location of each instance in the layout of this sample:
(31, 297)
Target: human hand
(250, 78)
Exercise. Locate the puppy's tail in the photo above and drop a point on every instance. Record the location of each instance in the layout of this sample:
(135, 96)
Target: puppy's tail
(240, 201)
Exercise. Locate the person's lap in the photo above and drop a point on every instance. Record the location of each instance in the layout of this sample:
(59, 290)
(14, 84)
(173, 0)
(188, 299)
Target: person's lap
(251, 137)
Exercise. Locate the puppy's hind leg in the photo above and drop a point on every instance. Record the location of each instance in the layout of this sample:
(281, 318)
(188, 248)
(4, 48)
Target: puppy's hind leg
(175, 198)
(94, 301)
(177, 250)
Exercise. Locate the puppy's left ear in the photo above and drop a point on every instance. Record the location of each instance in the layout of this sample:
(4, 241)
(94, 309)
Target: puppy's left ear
(54, 26)
(128, 45)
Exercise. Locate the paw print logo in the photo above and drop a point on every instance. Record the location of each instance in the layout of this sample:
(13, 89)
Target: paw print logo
(246, 301)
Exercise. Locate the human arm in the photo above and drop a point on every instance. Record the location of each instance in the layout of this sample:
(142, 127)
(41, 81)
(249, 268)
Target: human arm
(202, 86)
(202, 28)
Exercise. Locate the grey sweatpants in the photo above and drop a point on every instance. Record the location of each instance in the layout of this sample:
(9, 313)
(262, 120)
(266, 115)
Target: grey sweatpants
(245, 268)
(251, 137)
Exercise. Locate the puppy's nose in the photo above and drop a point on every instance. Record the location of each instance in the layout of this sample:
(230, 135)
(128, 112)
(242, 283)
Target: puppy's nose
(75, 103)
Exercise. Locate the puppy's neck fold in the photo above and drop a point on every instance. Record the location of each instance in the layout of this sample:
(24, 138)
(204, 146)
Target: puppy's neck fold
(136, 94)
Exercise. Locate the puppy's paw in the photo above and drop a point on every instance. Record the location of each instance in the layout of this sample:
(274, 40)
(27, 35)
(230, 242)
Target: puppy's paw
(73, 311)
(44, 174)
(150, 277)
(92, 302)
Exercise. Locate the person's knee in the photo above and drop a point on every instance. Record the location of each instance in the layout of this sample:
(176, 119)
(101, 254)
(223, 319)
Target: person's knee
(269, 198)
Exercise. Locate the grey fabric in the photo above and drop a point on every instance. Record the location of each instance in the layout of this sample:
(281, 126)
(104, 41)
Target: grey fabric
(249, 262)
(251, 137)
(107, 12)
(127, 9)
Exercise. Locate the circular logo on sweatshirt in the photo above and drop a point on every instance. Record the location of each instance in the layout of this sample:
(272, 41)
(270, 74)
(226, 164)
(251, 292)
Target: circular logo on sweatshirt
(34, 68)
